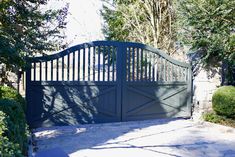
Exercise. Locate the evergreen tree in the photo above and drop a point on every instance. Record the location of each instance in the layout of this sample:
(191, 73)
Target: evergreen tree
(208, 26)
(27, 28)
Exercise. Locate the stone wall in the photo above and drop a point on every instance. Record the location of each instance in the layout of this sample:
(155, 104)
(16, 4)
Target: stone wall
(205, 82)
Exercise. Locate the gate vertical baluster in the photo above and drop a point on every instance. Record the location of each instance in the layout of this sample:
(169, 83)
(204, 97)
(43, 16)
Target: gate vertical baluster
(104, 53)
(73, 65)
(94, 63)
(63, 68)
(170, 78)
(84, 62)
(68, 65)
(179, 73)
(170, 69)
(146, 65)
(34, 71)
(79, 60)
(108, 51)
(157, 68)
(113, 60)
(186, 74)
(133, 64)
(129, 64)
(89, 63)
(40, 71)
(46, 71)
(98, 63)
(137, 60)
(176, 72)
(150, 59)
(167, 70)
(141, 65)
(51, 70)
(161, 69)
(153, 66)
(176, 75)
(57, 69)
(164, 71)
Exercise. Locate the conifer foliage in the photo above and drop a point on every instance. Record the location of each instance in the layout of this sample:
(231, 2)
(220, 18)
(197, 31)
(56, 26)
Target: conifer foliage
(27, 28)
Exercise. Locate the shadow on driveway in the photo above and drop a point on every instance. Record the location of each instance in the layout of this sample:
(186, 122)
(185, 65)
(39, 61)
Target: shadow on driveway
(166, 137)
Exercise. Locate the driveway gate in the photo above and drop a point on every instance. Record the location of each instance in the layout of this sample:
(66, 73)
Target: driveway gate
(106, 81)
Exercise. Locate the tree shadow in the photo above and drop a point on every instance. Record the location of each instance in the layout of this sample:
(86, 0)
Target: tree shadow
(70, 103)
(100, 136)
(73, 103)
(170, 137)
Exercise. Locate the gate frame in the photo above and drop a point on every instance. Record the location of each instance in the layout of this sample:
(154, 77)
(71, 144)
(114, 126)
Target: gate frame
(120, 66)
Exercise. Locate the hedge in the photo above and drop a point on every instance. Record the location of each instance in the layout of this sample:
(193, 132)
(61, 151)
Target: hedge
(10, 93)
(13, 129)
(223, 101)
(7, 147)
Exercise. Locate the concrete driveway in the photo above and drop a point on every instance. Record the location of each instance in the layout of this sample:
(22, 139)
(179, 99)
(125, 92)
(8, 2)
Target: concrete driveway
(152, 138)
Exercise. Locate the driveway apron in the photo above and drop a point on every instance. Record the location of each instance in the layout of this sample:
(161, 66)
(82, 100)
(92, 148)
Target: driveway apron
(151, 138)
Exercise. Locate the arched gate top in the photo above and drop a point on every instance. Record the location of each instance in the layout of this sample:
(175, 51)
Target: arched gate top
(117, 44)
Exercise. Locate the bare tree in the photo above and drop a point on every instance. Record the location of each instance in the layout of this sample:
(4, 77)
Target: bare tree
(145, 21)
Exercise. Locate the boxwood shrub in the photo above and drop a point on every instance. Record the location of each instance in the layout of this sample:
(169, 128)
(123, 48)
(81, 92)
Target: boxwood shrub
(10, 93)
(13, 129)
(223, 101)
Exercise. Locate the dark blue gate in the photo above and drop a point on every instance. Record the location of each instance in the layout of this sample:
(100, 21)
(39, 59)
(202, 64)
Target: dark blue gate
(106, 81)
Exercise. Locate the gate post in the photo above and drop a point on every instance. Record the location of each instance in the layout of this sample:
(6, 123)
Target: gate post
(121, 73)
(189, 90)
(28, 80)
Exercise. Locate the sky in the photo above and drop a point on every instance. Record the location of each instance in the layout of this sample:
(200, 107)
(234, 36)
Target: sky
(84, 20)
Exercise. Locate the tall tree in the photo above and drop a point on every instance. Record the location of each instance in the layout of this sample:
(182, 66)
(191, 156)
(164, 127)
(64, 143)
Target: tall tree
(145, 21)
(209, 27)
(26, 28)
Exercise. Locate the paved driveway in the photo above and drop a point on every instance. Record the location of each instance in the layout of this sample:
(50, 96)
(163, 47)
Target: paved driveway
(153, 138)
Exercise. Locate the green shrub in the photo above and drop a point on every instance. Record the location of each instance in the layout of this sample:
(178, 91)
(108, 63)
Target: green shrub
(10, 93)
(212, 117)
(13, 128)
(223, 101)
(7, 148)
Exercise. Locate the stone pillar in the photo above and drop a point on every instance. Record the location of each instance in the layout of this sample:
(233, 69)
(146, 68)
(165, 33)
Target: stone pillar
(205, 83)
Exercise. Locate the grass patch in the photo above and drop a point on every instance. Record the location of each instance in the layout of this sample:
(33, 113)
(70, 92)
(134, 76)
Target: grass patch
(214, 118)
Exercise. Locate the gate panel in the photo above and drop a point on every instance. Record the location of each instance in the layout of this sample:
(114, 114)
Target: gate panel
(72, 104)
(154, 86)
(76, 86)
